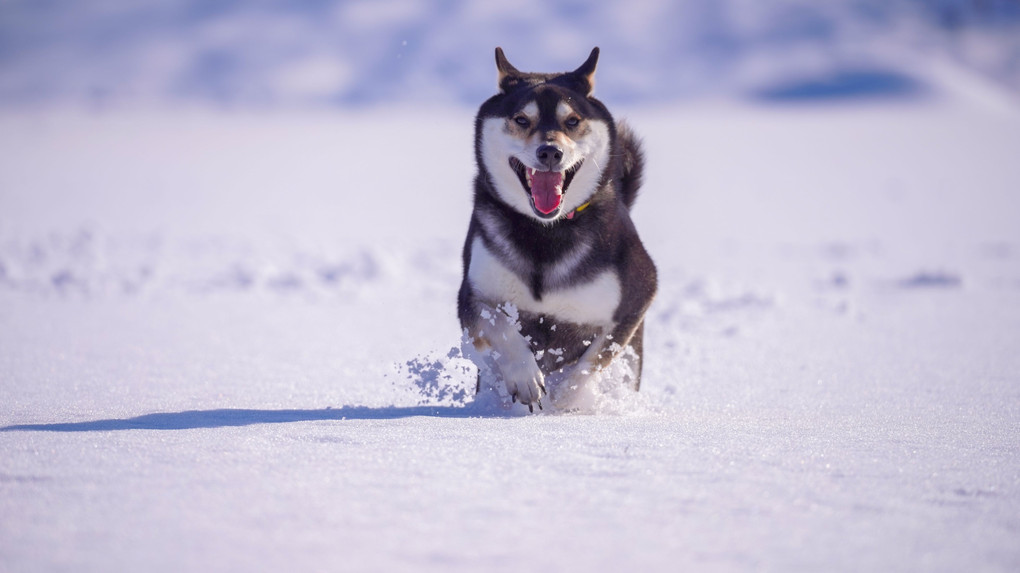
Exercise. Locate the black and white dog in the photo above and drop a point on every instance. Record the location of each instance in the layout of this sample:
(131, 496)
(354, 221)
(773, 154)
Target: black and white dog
(556, 281)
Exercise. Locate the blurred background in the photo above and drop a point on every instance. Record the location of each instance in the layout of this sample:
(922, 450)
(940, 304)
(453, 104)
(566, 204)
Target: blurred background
(321, 53)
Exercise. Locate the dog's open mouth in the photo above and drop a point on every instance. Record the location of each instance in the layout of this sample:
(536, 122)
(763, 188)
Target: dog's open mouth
(546, 188)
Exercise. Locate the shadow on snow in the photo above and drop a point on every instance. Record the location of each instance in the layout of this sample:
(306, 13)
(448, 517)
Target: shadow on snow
(195, 419)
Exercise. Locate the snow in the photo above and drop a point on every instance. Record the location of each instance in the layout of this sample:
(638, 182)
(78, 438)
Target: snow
(297, 54)
(226, 344)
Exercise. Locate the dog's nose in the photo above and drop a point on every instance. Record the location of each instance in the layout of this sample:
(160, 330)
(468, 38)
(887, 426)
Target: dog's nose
(549, 155)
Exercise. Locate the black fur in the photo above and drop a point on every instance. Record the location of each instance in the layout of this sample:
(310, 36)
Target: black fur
(633, 164)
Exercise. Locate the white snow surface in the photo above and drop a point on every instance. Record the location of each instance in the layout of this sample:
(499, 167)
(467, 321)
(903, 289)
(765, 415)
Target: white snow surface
(226, 343)
(363, 52)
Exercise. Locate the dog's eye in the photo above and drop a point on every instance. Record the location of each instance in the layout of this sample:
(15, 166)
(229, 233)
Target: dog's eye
(572, 122)
(522, 121)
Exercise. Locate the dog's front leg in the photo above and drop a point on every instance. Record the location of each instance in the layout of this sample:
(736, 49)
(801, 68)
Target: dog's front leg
(496, 336)
(613, 344)
(602, 350)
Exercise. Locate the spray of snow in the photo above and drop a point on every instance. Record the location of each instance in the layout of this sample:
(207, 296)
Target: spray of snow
(436, 379)
(571, 389)
(450, 379)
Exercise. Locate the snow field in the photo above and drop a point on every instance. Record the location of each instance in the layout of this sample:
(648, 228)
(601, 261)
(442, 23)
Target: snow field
(224, 344)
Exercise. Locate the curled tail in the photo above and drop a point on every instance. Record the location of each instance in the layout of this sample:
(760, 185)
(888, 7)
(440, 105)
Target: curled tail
(629, 146)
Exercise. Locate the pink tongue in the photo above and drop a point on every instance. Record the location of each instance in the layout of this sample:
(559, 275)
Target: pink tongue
(544, 190)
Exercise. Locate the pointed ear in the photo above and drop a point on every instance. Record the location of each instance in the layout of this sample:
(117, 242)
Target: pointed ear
(508, 75)
(586, 73)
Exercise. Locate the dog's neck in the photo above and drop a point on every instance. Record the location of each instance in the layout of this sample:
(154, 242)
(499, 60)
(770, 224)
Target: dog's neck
(571, 214)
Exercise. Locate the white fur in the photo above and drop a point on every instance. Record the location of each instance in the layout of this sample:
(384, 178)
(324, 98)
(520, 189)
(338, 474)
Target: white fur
(510, 357)
(497, 147)
(592, 303)
(594, 149)
(531, 110)
(563, 111)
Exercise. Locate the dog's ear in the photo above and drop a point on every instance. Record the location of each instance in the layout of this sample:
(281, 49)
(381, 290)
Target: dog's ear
(586, 73)
(509, 76)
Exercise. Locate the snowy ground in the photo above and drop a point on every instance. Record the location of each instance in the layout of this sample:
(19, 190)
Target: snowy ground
(224, 346)
(363, 52)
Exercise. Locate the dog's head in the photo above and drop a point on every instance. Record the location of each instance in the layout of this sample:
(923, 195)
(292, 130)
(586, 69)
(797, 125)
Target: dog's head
(543, 141)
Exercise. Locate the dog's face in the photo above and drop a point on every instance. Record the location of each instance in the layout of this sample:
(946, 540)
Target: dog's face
(543, 141)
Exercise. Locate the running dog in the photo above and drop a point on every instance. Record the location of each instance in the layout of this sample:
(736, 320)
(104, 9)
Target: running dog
(556, 281)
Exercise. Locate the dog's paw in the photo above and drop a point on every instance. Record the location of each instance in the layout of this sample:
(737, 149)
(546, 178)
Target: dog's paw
(575, 387)
(525, 383)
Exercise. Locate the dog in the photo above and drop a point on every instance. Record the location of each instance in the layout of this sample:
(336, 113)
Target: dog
(556, 281)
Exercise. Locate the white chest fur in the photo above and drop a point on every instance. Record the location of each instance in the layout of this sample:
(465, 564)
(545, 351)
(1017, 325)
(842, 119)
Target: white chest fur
(592, 302)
